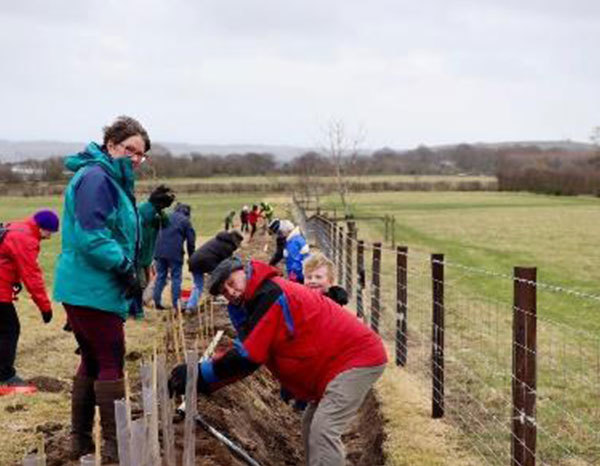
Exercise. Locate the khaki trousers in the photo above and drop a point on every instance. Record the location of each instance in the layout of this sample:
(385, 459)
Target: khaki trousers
(324, 423)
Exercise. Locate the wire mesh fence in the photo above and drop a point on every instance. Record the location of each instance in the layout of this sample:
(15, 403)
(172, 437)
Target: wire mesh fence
(518, 370)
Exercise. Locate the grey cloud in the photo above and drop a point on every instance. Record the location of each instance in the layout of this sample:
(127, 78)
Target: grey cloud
(270, 71)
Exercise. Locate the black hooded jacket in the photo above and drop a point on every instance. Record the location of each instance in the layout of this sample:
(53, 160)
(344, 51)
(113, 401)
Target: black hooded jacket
(206, 258)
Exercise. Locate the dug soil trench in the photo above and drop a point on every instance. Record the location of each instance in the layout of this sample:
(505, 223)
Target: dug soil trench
(249, 412)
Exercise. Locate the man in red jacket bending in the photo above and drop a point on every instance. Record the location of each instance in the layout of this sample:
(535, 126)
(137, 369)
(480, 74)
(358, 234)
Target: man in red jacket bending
(19, 249)
(317, 350)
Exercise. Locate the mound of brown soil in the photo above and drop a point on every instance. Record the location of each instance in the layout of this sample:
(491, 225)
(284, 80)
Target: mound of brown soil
(49, 384)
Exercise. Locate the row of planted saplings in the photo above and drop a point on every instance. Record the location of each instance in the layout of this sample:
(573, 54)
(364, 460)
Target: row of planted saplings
(138, 439)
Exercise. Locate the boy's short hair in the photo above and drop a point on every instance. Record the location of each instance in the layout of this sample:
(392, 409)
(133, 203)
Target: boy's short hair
(317, 260)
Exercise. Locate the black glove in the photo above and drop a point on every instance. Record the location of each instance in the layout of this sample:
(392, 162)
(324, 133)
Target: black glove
(162, 197)
(132, 289)
(47, 315)
(17, 287)
(337, 294)
(178, 381)
(300, 405)
(285, 395)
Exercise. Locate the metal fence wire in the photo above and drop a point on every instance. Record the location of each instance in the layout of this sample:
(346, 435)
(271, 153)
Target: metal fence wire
(519, 374)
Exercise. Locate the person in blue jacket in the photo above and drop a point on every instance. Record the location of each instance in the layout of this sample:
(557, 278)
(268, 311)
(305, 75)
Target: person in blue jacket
(296, 250)
(168, 255)
(96, 272)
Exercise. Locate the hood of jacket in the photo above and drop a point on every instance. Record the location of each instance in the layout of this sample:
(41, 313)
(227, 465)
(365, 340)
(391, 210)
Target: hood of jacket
(119, 169)
(295, 232)
(227, 237)
(256, 273)
(184, 209)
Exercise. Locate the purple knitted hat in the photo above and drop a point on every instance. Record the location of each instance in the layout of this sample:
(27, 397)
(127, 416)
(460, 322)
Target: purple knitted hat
(47, 220)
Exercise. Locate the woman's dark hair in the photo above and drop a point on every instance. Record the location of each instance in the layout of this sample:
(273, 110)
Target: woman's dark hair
(124, 127)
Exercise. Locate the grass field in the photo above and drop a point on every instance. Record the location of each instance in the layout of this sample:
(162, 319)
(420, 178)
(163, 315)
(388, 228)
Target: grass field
(483, 236)
(492, 231)
(47, 351)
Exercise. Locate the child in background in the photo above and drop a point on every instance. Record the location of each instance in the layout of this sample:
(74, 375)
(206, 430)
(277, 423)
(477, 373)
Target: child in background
(244, 219)
(319, 275)
(296, 250)
(229, 220)
(253, 217)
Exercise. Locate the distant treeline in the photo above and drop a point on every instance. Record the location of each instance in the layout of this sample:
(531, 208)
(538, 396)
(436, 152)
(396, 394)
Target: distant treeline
(517, 167)
(550, 172)
(460, 159)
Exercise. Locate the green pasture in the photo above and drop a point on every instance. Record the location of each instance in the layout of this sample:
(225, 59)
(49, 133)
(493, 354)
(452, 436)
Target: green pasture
(483, 236)
(493, 231)
(477, 231)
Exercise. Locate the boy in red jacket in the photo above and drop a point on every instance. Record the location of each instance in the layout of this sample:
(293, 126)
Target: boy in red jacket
(19, 250)
(253, 217)
(317, 350)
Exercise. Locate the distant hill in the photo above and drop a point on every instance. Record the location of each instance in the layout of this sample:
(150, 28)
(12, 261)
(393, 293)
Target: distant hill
(15, 151)
(567, 145)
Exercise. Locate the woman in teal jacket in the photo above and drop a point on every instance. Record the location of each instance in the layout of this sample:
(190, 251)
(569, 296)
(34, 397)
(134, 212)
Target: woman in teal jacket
(96, 277)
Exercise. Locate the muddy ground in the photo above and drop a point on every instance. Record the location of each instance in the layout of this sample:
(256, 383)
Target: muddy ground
(249, 412)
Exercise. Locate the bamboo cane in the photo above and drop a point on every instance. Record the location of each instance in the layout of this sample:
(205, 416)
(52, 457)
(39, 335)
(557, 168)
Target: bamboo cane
(97, 436)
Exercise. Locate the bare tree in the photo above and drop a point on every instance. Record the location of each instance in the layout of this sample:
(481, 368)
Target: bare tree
(342, 150)
(309, 167)
(595, 138)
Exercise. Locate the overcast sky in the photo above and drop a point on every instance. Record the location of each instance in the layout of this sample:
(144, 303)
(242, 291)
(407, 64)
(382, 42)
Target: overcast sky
(272, 71)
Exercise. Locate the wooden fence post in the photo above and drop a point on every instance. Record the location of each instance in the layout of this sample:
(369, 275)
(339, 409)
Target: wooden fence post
(387, 227)
(401, 304)
(360, 276)
(333, 233)
(437, 341)
(524, 383)
(376, 287)
(350, 236)
(340, 256)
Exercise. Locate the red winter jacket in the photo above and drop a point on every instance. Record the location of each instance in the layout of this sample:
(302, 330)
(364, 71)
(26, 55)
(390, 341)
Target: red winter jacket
(303, 338)
(253, 217)
(19, 263)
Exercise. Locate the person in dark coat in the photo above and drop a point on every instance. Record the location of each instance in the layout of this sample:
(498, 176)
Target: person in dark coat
(207, 257)
(279, 242)
(169, 252)
(244, 219)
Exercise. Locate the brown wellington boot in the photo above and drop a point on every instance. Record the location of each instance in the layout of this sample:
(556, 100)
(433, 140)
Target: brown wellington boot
(83, 402)
(107, 391)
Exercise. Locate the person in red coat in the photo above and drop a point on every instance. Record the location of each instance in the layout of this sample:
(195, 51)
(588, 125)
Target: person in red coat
(317, 350)
(19, 250)
(253, 217)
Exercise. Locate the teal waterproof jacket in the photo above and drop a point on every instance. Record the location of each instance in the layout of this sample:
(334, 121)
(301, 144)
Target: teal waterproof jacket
(101, 231)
